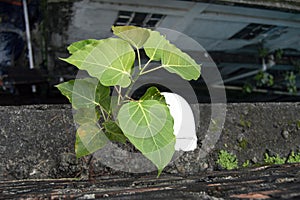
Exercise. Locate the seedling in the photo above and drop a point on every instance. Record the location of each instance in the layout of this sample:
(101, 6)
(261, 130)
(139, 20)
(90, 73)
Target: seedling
(294, 157)
(246, 163)
(146, 123)
(227, 160)
(274, 159)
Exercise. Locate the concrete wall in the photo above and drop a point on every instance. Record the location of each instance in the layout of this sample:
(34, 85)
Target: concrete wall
(38, 141)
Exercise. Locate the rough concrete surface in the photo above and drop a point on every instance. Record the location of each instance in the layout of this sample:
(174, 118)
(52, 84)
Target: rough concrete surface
(34, 139)
(253, 129)
(268, 182)
(38, 141)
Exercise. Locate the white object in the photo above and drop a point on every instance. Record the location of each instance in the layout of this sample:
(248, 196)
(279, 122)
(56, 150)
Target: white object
(27, 26)
(184, 122)
(29, 47)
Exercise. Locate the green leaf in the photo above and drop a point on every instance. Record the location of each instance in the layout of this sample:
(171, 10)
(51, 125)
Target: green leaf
(113, 132)
(85, 93)
(106, 104)
(154, 46)
(136, 36)
(157, 48)
(176, 61)
(89, 138)
(153, 93)
(66, 89)
(148, 125)
(86, 115)
(77, 46)
(109, 60)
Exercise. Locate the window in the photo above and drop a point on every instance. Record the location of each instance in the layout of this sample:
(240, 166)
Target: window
(147, 20)
(252, 31)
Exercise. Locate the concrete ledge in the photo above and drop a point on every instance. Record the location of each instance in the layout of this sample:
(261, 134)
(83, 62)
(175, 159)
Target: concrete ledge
(271, 182)
(38, 141)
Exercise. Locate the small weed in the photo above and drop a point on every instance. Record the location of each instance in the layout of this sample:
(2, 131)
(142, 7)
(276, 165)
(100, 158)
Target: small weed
(227, 160)
(274, 159)
(294, 158)
(246, 163)
(247, 88)
(263, 78)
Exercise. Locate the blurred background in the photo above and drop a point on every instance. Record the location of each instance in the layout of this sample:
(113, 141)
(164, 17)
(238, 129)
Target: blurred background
(255, 44)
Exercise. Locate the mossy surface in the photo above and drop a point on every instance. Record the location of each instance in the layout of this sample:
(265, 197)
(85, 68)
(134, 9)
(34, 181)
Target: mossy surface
(294, 157)
(274, 159)
(243, 144)
(227, 160)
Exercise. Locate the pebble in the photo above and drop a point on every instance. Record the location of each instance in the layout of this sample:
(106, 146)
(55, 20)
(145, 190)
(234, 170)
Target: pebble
(254, 160)
(285, 134)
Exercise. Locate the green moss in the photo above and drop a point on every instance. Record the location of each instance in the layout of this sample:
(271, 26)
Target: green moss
(243, 144)
(294, 158)
(245, 123)
(274, 159)
(227, 160)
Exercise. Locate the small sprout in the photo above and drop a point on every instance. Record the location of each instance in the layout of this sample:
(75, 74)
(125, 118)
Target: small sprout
(246, 163)
(274, 159)
(263, 78)
(294, 158)
(290, 79)
(279, 54)
(247, 88)
(227, 160)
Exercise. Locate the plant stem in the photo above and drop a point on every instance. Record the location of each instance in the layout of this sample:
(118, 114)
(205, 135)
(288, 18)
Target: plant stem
(133, 80)
(146, 65)
(127, 92)
(119, 93)
(151, 70)
(103, 114)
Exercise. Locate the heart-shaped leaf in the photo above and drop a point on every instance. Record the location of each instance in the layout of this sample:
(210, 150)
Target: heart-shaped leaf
(86, 115)
(109, 60)
(176, 61)
(157, 48)
(85, 93)
(136, 36)
(148, 125)
(89, 138)
(113, 132)
(154, 46)
(80, 45)
(153, 93)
